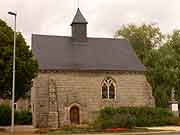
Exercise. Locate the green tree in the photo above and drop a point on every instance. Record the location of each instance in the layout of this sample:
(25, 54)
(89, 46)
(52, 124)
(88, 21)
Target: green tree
(158, 56)
(26, 65)
(143, 38)
(161, 74)
(173, 48)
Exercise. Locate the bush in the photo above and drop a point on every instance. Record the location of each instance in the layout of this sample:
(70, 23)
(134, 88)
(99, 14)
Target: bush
(5, 114)
(110, 118)
(21, 117)
(129, 117)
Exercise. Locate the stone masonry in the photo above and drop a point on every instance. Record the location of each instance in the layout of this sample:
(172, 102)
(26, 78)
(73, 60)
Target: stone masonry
(54, 94)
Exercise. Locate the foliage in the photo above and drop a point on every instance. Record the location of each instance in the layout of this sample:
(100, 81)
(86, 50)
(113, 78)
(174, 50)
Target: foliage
(173, 50)
(72, 130)
(164, 71)
(129, 117)
(76, 130)
(143, 38)
(5, 114)
(21, 117)
(160, 55)
(26, 65)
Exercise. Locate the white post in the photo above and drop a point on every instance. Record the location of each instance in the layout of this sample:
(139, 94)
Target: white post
(13, 81)
(174, 104)
(174, 108)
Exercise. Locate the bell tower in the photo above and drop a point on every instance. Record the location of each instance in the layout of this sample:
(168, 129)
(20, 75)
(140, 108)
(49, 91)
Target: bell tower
(79, 28)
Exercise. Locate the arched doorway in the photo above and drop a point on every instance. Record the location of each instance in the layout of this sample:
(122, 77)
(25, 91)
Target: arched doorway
(74, 115)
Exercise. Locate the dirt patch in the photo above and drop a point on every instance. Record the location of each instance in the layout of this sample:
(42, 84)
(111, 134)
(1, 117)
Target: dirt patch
(2, 130)
(18, 133)
(22, 133)
(19, 130)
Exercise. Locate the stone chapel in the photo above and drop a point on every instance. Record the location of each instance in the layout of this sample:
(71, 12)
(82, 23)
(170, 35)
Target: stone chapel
(79, 75)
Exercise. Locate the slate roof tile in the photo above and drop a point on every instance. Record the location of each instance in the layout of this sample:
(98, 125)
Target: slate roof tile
(60, 53)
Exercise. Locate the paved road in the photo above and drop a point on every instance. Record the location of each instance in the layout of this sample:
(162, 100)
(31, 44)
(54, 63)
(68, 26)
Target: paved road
(95, 134)
(159, 134)
(170, 134)
(29, 130)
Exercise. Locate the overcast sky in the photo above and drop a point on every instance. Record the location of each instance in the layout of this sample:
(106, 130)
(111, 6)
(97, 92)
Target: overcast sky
(104, 16)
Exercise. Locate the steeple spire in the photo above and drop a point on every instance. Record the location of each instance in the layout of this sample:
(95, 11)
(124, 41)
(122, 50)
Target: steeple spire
(79, 18)
(79, 27)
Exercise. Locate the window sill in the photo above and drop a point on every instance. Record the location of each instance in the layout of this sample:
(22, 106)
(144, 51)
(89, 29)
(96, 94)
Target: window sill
(108, 99)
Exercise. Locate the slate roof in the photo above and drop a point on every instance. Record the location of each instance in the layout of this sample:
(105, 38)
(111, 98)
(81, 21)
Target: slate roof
(59, 53)
(79, 18)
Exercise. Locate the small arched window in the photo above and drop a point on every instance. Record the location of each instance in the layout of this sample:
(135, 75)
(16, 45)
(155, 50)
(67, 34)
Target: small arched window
(108, 89)
(104, 91)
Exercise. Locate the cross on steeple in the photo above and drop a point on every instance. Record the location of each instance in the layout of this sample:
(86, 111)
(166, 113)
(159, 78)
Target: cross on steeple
(77, 3)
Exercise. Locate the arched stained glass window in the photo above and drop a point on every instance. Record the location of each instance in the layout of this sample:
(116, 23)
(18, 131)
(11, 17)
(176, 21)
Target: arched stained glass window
(108, 89)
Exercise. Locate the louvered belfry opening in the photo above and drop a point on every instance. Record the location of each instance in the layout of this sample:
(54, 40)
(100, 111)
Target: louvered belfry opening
(79, 28)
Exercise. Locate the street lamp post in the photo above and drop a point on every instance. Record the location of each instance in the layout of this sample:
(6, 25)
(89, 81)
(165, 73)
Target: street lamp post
(13, 81)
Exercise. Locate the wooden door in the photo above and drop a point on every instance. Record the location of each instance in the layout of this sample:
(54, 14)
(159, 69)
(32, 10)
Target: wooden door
(74, 115)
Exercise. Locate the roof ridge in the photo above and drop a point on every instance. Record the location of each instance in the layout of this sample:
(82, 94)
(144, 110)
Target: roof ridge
(110, 38)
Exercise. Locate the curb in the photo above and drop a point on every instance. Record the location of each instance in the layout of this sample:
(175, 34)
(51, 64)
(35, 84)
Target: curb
(135, 133)
(143, 133)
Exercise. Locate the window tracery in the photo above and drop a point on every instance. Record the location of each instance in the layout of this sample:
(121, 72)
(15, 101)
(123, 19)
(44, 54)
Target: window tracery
(108, 89)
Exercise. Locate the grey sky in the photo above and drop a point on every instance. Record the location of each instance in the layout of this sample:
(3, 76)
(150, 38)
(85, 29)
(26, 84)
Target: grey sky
(104, 16)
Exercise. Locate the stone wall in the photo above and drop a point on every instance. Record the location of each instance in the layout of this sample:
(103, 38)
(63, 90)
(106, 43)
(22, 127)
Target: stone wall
(83, 89)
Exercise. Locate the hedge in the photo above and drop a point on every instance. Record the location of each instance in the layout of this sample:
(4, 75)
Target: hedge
(130, 117)
(21, 117)
(5, 115)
